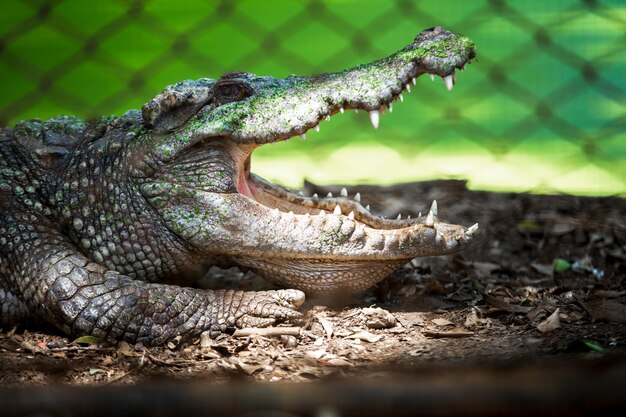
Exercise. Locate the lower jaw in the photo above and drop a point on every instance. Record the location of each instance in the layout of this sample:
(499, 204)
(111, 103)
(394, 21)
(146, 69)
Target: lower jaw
(322, 277)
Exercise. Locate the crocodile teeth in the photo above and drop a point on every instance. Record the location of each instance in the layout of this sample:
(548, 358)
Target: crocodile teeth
(337, 209)
(448, 82)
(351, 215)
(341, 110)
(400, 97)
(419, 214)
(317, 128)
(303, 136)
(413, 81)
(408, 87)
(300, 193)
(374, 118)
(432, 77)
(322, 213)
(344, 192)
(399, 216)
(357, 197)
(472, 229)
(367, 207)
(430, 219)
(315, 195)
(433, 208)
(329, 195)
(390, 107)
(327, 118)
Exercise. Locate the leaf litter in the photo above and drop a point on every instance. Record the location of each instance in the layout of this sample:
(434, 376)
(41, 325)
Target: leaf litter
(546, 277)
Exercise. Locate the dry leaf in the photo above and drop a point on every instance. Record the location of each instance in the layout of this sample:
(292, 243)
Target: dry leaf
(316, 354)
(608, 310)
(365, 336)
(442, 322)
(545, 269)
(503, 305)
(339, 362)
(378, 318)
(205, 340)
(472, 319)
(326, 324)
(454, 333)
(551, 323)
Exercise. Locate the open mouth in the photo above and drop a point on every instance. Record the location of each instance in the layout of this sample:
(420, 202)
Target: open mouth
(289, 203)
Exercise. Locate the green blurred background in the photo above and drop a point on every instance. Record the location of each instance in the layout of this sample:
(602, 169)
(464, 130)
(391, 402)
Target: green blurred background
(543, 109)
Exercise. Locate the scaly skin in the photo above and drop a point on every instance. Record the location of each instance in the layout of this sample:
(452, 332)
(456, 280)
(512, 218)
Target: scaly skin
(103, 223)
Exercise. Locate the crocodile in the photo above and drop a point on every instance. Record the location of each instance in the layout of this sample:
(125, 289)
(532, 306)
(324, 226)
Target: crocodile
(105, 225)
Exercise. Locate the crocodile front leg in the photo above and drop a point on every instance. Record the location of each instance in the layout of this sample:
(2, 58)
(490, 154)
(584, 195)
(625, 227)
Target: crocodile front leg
(84, 298)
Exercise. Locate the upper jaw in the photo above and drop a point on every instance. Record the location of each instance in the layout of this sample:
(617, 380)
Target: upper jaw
(280, 109)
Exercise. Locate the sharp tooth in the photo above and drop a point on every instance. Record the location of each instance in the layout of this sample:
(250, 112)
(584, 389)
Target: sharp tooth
(472, 229)
(408, 217)
(367, 207)
(317, 128)
(300, 193)
(401, 98)
(341, 110)
(430, 219)
(390, 105)
(408, 87)
(303, 136)
(290, 215)
(337, 209)
(344, 192)
(322, 213)
(357, 197)
(351, 215)
(413, 80)
(448, 82)
(315, 195)
(275, 210)
(419, 214)
(399, 216)
(356, 110)
(329, 195)
(327, 118)
(433, 207)
(374, 118)
(432, 77)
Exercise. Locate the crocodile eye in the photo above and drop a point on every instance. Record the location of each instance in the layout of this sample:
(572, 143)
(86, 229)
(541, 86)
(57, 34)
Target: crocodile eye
(231, 91)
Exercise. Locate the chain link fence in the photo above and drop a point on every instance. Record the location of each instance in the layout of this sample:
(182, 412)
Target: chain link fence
(542, 109)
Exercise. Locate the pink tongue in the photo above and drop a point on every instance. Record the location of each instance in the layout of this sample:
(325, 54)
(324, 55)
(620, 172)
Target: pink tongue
(243, 186)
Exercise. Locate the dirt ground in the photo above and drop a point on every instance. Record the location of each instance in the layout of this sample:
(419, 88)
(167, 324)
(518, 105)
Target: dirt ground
(542, 291)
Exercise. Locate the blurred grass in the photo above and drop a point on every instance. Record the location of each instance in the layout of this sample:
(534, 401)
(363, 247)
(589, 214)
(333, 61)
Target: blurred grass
(543, 109)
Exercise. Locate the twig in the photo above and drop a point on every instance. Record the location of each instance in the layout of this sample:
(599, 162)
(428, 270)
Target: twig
(267, 331)
(449, 333)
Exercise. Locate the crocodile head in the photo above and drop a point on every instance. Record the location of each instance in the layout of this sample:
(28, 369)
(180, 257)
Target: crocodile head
(195, 171)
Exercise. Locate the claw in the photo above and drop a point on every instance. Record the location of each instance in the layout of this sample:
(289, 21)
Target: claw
(472, 229)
